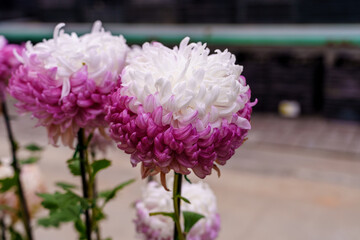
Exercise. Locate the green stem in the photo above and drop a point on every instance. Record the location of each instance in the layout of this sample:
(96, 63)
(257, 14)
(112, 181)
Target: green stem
(25, 216)
(94, 197)
(3, 228)
(178, 234)
(85, 187)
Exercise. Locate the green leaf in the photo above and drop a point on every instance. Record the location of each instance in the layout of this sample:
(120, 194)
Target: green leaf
(98, 214)
(84, 202)
(183, 198)
(89, 139)
(190, 218)
(74, 166)
(187, 179)
(29, 160)
(110, 194)
(15, 235)
(166, 214)
(80, 228)
(65, 214)
(99, 165)
(7, 183)
(63, 207)
(65, 185)
(58, 200)
(50, 201)
(32, 147)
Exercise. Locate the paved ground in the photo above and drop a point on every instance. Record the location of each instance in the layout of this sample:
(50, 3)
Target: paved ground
(294, 179)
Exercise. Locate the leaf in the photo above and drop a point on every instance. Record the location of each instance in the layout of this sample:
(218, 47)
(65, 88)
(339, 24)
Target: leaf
(84, 202)
(32, 147)
(7, 183)
(166, 214)
(15, 235)
(98, 214)
(58, 200)
(65, 185)
(65, 214)
(29, 160)
(190, 218)
(88, 140)
(99, 165)
(110, 194)
(187, 179)
(80, 228)
(183, 198)
(74, 166)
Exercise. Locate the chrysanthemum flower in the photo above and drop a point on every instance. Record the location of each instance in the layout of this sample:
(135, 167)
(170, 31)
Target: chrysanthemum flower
(8, 62)
(65, 81)
(33, 183)
(180, 108)
(158, 227)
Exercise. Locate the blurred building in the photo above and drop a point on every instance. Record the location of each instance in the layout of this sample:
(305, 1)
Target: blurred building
(323, 79)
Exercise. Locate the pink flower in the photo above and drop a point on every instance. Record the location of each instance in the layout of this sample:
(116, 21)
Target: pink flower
(8, 62)
(156, 199)
(64, 82)
(180, 108)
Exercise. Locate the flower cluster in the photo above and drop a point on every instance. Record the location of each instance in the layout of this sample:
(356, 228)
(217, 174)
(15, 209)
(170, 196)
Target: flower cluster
(33, 183)
(8, 62)
(65, 81)
(158, 227)
(180, 108)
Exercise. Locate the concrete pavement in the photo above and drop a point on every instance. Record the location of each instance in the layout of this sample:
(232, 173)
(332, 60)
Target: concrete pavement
(295, 179)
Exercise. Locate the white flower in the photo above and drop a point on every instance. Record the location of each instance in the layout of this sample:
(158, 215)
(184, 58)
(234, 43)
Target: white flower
(32, 182)
(187, 81)
(156, 199)
(102, 52)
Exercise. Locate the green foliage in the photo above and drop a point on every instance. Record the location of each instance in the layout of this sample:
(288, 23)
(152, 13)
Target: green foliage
(110, 194)
(183, 198)
(30, 160)
(74, 166)
(7, 183)
(65, 185)
(15, 235)
(80, 228)
(166, 214)
(32, 147)
(190, 219)
(63, 207)
(99, 165)
(187, 179)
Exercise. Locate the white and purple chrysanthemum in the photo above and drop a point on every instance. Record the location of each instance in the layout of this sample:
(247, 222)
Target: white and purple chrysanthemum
(180, 108)
(158, 227)
(64, 81)
(33, 184)
(8, 62)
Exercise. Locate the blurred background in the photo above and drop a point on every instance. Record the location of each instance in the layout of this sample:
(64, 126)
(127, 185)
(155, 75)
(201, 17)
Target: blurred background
(298, 175)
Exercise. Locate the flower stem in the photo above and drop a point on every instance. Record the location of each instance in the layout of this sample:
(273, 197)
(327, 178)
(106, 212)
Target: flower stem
(83, 162)
(3, 228)
(25, 216)
(178, 234)
(95, 211)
